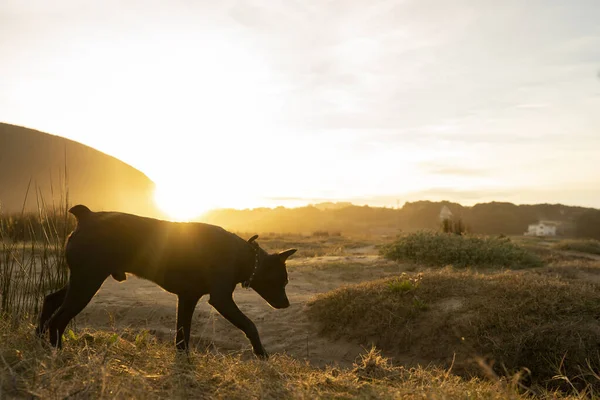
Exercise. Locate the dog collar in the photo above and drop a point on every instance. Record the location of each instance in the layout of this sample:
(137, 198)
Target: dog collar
(246, 283)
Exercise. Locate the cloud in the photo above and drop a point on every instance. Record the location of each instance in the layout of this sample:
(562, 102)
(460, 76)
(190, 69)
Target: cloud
(464, 197)
(533, 105)
(366, 92)
(448, 169)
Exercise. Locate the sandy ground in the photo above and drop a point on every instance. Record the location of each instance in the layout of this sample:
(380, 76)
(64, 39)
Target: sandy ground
(140, 304)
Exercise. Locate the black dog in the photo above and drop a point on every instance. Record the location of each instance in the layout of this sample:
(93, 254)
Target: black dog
(187, 259)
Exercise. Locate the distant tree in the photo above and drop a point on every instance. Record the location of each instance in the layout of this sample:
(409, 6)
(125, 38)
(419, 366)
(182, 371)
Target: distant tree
(496, 217)
(588, 224)
(426, 214)
(454, 225)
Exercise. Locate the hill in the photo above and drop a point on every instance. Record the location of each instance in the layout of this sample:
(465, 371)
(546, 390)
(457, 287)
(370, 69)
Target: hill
(485, 218)
(96, 179)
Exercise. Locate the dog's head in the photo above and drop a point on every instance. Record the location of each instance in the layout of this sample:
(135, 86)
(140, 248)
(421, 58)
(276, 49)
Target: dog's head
(271, 278)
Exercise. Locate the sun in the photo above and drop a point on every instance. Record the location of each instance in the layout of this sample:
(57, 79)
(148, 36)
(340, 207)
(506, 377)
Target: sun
(197, 120)
(180, 204)
(186, 198)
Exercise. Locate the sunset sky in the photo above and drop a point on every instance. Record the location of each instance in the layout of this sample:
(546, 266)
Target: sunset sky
(245, 104)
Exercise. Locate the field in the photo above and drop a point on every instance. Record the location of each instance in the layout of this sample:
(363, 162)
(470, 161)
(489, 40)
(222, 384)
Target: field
(434, 346)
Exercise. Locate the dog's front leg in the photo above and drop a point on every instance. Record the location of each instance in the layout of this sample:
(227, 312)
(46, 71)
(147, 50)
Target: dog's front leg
(225, 305)
(185, 311)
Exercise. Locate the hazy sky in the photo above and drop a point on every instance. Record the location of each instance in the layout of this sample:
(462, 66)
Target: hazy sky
(256, 103)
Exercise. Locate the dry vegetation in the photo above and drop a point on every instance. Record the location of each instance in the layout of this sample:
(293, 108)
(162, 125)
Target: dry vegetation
(32, 262)
(103, 365)
(590, 246)
(512, 320)
(475, 332)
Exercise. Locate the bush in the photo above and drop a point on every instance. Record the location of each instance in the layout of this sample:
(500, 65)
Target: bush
(590, 246)
(509, 320)
(442, 249)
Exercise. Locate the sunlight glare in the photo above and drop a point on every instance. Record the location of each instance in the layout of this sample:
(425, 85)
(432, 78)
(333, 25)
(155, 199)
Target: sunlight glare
(184, 202)
(179, 205)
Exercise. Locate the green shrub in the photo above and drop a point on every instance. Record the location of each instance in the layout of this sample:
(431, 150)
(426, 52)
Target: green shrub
(442, 249)
(404, 283)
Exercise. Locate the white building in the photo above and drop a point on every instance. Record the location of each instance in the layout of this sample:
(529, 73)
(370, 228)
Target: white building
(542, 228)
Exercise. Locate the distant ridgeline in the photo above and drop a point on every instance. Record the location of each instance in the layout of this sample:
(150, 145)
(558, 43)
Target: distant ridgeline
(103, 182)
(485, 218)
(96, 179)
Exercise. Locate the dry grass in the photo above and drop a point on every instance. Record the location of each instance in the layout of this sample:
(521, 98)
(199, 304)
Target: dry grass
(590, 246)
(547, 249)
(32, 261)
(510, 320)
(579, 270)
(103, 365)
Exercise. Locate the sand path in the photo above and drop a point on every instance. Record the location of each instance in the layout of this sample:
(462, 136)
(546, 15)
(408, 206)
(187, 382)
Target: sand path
(140, 304)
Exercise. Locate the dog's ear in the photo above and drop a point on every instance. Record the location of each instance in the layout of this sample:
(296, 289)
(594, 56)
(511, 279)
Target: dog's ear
(253, 238)
(285, 254)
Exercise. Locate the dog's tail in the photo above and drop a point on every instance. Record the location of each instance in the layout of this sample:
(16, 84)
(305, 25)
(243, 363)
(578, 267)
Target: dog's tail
(80, 212)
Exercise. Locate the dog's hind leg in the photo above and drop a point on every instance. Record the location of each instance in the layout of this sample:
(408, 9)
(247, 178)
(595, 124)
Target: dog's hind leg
(79, 293)
(185, 311)
(51, 304)
(225, 305)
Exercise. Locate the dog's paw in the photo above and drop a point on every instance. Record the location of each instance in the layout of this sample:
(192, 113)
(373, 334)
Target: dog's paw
(262, 354)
